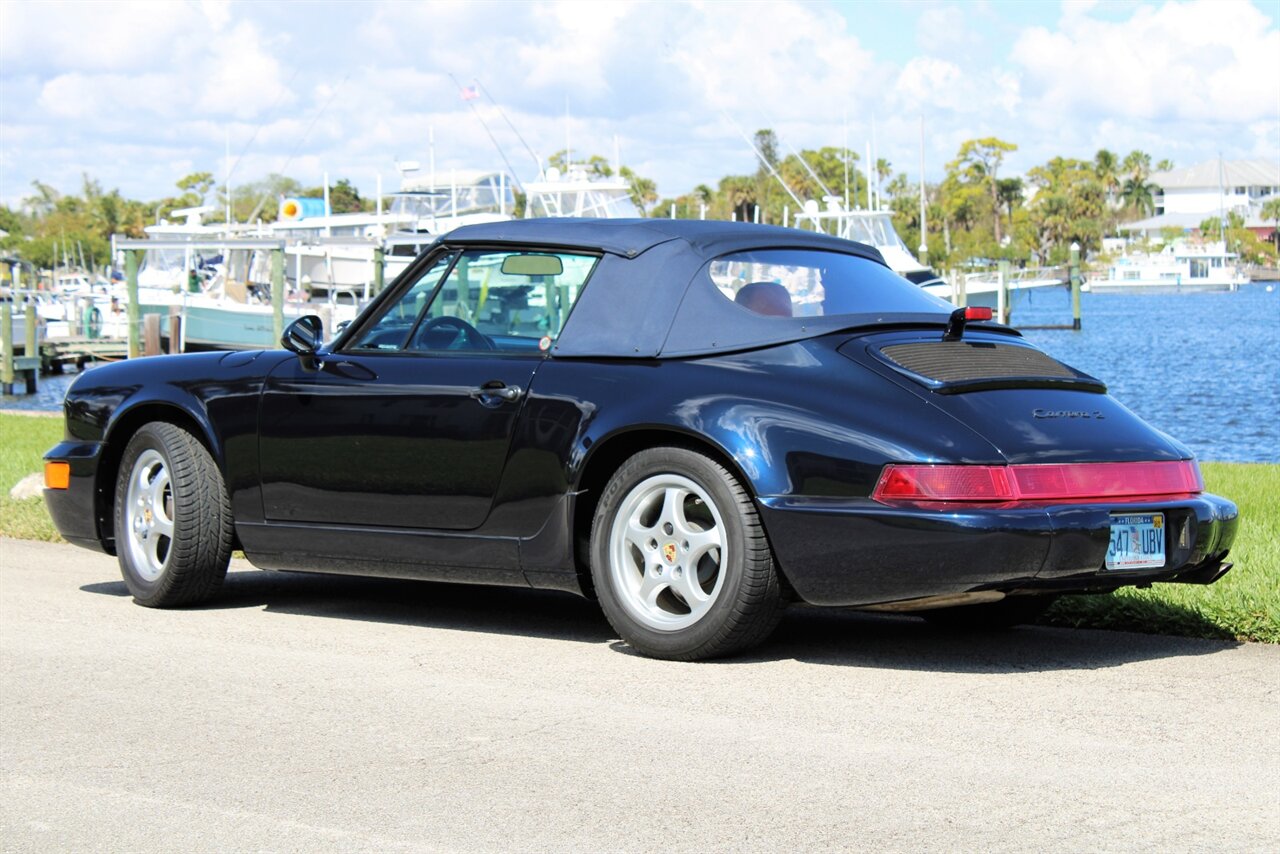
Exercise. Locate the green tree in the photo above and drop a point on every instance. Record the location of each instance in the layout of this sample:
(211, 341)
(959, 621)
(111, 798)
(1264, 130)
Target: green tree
(1137, 165)
(42, 202)
(595, 166)
(260, 199)
(1069, 206)
(980, 160)
(344, 198)
(1139, 194)
(196, 187)
(1009, 193)
(1106, 165)
(1271, 211)
(644, 191)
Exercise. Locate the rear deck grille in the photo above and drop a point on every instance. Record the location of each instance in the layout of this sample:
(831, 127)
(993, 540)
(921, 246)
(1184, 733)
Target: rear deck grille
(980, 363)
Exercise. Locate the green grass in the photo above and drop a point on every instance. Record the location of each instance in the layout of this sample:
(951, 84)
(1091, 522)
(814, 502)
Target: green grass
(23, 441)
(1243, 605)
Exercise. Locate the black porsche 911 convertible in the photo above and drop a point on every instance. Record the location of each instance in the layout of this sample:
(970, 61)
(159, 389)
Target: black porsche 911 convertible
(693, 422)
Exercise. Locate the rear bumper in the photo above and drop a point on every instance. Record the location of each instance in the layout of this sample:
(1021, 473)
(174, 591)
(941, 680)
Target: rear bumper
(859, 552)
(75, 510)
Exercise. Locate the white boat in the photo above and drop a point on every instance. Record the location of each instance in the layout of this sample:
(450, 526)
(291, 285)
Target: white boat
(872, 227)
(336, 251)
(230, 312)
(875, 228)
(577, 194)
(427, 209)
(1183, 266)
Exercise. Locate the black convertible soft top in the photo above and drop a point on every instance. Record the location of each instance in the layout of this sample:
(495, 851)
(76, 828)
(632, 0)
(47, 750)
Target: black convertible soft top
(646, 298)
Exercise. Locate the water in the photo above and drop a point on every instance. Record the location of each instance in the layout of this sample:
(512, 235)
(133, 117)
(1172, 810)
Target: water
(1204, 368)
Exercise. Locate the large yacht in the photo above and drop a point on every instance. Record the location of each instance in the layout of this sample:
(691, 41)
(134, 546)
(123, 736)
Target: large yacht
(329, 251)
(1181, 266)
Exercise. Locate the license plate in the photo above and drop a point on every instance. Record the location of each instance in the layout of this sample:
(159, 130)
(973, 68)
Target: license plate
(1137, 541)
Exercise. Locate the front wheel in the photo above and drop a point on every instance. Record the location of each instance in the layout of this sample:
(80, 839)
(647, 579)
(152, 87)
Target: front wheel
(680, 560)
(172, 518)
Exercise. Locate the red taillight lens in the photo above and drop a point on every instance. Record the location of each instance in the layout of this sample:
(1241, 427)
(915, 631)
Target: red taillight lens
(977, 312)
(1059, 481)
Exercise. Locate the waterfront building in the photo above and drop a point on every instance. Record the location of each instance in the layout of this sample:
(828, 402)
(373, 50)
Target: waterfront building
(1188, 196)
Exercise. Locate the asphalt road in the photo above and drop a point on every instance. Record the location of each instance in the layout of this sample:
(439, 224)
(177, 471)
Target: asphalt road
(321, 713)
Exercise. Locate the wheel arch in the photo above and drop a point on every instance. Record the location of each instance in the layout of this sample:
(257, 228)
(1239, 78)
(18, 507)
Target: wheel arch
(607, 454)
(119, 432)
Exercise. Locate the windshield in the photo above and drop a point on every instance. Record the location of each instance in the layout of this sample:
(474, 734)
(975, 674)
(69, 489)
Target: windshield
(813, 283)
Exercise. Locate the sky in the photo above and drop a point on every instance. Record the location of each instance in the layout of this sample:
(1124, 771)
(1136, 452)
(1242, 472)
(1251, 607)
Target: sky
(139, 94)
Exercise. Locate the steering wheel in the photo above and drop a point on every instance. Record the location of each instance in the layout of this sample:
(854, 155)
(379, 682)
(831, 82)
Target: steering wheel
(465, 334)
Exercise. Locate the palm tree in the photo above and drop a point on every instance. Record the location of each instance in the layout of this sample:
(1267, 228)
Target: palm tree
(1139, 194)
(1271, 211)
(1165, 165)
(1107, 167)
(1138, 165)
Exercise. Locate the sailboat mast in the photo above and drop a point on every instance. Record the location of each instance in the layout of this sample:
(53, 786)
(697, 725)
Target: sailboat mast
(924, 228)
(869, 175)
(1222, 213)
(226, 179)
(846, 158)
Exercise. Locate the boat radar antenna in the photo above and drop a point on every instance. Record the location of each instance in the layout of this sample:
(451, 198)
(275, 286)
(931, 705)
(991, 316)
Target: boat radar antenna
(763, 159)
(469, 97)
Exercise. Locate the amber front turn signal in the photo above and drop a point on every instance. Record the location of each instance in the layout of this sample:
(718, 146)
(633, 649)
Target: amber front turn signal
(57, 475)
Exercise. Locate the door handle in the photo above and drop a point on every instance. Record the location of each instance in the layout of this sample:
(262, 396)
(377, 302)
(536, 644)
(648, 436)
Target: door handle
(496, 390)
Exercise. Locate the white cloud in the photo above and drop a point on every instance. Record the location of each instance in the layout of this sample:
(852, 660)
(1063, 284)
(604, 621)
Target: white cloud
(240, 74)
(938, 86)
(1179, 61)
(101, 36)
(944, 28)
(137, 93)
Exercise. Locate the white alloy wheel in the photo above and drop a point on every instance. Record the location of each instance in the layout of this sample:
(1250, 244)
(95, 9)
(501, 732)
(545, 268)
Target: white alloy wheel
(667, 550)
(149, 515)
(679, 559)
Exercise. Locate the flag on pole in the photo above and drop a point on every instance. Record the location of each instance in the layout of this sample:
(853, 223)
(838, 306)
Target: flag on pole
(469, 93)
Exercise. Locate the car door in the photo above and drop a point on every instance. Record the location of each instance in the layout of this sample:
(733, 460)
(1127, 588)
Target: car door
(408, 424)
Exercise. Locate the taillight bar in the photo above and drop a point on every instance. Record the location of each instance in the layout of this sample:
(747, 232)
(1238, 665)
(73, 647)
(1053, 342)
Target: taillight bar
(1051, 482)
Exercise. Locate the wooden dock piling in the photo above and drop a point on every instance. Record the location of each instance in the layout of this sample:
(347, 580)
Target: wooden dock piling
(12, 366)
(151, 335)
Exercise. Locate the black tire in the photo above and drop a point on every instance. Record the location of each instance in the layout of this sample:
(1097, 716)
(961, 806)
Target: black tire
(745, 600)
(189, 503)
(990, 616)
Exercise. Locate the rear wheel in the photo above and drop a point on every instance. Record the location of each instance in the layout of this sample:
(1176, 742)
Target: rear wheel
(679, 558)
(172, 518)
(1006, 613)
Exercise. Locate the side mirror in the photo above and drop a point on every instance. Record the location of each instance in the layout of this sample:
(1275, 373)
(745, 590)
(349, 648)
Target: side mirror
(304, 337)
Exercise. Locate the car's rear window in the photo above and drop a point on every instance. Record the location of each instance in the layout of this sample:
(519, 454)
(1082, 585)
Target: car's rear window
(814, 283)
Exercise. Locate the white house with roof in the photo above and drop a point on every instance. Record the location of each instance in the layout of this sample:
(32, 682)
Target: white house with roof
(1189, 196)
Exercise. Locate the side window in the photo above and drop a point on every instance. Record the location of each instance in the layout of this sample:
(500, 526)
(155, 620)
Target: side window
(505, 301)
(392, 329)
